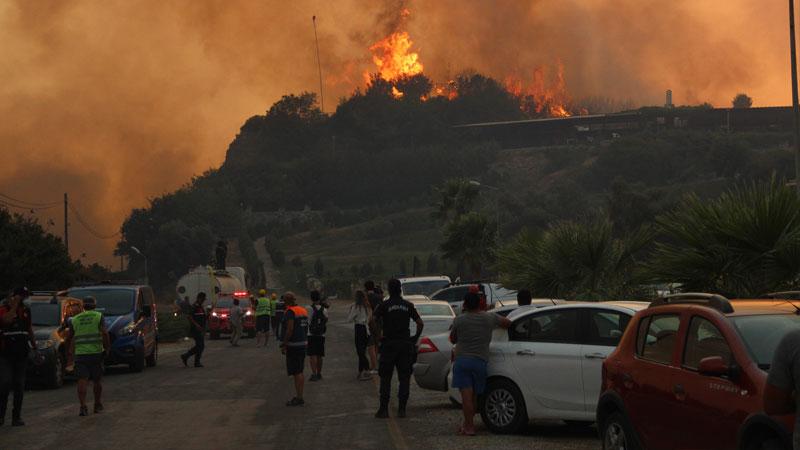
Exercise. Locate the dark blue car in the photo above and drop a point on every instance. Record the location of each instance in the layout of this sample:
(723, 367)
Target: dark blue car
(131, 321)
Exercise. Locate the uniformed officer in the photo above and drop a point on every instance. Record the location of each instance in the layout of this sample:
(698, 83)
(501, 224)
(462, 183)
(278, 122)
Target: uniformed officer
(90, 343)
(16, 337)
(397, 346)
(197, 330)
(263, 314)
(295, 336)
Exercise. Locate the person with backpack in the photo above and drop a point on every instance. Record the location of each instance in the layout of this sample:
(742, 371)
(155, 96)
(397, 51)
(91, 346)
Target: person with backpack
(316, 335)
(294, 339)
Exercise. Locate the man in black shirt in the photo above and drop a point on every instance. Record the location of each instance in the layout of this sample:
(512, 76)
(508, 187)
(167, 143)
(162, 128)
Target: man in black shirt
(397, 346)
(197, 330)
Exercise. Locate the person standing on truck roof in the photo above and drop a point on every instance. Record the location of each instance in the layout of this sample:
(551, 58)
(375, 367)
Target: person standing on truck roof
(15, 335)
(263, 308)
(90, 343)
(316, 335)
(294, 331)
(236, 316)
(280, 309)
(197, 330)
(397, 348)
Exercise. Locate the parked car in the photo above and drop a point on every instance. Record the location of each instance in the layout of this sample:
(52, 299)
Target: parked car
(131, 321)
(218, 322)
(49, 315)
(547, 365)
(437, 316)
(496, 295)
(423, 285)
(434, 358)
(690, 372)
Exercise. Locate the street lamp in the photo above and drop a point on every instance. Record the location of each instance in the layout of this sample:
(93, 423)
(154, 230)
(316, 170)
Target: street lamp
(479, 185)
(139, 252)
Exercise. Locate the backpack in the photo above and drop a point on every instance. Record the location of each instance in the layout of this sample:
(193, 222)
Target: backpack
(318, 321)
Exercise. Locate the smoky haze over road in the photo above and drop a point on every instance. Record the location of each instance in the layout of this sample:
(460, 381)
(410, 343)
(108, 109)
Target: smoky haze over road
(117, 102)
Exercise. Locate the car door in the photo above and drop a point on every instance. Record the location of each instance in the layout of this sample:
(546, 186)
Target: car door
(602, 330)
(698, 397)
(545, 352)
(648, 383)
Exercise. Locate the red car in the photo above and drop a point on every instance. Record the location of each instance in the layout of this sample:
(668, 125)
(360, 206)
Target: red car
(218, 322)
(689, 373)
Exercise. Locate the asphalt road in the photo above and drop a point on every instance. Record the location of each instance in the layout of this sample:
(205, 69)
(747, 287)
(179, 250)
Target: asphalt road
(237, 401)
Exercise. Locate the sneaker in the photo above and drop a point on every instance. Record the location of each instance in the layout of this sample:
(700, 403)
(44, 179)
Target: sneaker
(383, 413)
(319, 377)
(185, 358)
(313, 377)
(365, 376)
(373, 372)
(295, 402)
(98, 408)
(84, 411)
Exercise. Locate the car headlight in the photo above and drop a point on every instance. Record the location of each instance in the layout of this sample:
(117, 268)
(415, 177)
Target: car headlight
(214, 314)
(44, 344)
(128, 329)
(248, 313)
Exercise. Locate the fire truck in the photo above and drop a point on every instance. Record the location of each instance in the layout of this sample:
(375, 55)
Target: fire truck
(221, 288)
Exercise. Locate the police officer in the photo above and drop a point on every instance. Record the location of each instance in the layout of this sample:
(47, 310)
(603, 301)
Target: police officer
(90, 343)
(397, 346)
(197, 331)
(263, 309)
(16, 335)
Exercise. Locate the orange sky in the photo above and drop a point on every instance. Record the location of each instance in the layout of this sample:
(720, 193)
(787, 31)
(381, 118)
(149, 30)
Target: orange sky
(116, 102)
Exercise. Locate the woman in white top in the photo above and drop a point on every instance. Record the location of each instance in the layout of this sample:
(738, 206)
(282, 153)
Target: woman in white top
(360, 314)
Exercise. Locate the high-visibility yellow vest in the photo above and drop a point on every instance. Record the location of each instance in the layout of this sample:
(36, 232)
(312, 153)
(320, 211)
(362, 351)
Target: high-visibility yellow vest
(262, 308)
(88, 339)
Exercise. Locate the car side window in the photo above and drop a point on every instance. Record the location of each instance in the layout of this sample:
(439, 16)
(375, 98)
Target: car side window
(704, 340)
(606, 327)
(552, 326)
(657, 338)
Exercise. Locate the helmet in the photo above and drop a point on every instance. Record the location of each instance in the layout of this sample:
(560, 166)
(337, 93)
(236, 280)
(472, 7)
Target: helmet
(262, 292)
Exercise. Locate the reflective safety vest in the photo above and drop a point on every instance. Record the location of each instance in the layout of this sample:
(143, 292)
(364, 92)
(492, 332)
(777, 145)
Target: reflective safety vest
(88, 339)
(300, 334)
(262, 308)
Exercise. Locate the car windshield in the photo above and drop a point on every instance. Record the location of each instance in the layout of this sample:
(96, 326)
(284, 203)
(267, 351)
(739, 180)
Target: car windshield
(434, 310)
(423, 287)
(762, 333)
(111, 302)
(45, 314)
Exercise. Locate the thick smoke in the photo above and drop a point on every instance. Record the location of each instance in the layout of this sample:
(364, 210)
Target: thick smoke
(116, 102)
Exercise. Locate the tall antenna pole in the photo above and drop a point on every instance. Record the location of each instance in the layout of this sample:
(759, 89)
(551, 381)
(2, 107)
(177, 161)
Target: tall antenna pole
(319, 65)
(795, 107)
(66, 223)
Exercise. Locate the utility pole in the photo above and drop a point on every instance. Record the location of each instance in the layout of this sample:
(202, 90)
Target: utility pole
(795, 107)
(319, 64)
(66, 222)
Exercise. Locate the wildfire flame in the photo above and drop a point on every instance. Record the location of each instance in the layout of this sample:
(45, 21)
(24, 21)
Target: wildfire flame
(541, 96)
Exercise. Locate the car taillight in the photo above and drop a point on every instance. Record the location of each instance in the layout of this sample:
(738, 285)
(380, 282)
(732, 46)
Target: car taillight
(426, 346)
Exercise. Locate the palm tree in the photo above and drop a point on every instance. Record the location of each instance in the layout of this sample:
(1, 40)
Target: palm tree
(471, 239)
(455, 198)
(744, 243)
(575, 260)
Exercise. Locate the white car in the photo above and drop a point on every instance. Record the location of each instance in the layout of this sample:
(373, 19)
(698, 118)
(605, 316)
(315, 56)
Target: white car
(423, 285)
(548, 364)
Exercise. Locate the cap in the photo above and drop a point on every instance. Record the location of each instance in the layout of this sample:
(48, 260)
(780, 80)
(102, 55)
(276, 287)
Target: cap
(21, 291)
(262, 292)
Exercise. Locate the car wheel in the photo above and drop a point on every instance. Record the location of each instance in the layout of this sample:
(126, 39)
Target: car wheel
(503, 408)
(55, 377)
(138, 361)
(152, 359)
(617, 434)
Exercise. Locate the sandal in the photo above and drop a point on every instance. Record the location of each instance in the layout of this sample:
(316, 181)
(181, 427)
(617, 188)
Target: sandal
(465, 432)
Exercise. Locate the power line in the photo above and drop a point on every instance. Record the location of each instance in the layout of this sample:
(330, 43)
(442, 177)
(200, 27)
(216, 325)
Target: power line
(88, 227)
(24, 207)
(24, 202)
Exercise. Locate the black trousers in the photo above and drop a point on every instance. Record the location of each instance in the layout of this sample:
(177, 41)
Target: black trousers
(12, 378)
(398, 355)
(361, 347)
(199, 344)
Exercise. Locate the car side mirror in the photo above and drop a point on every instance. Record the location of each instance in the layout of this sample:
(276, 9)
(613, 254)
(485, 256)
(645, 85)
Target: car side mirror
(147, 311)
(713, 366)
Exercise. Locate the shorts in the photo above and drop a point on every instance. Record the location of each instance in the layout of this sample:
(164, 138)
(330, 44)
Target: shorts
(262, 324)
(295, 360)
(89, 367)
(316, 346)
(469, 372)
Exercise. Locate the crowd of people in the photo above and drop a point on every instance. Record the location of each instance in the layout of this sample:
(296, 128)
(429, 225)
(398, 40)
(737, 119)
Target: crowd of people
(383, 344)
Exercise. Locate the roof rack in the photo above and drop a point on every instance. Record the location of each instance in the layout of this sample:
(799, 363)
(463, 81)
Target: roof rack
(715, 301)
(783, 295)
